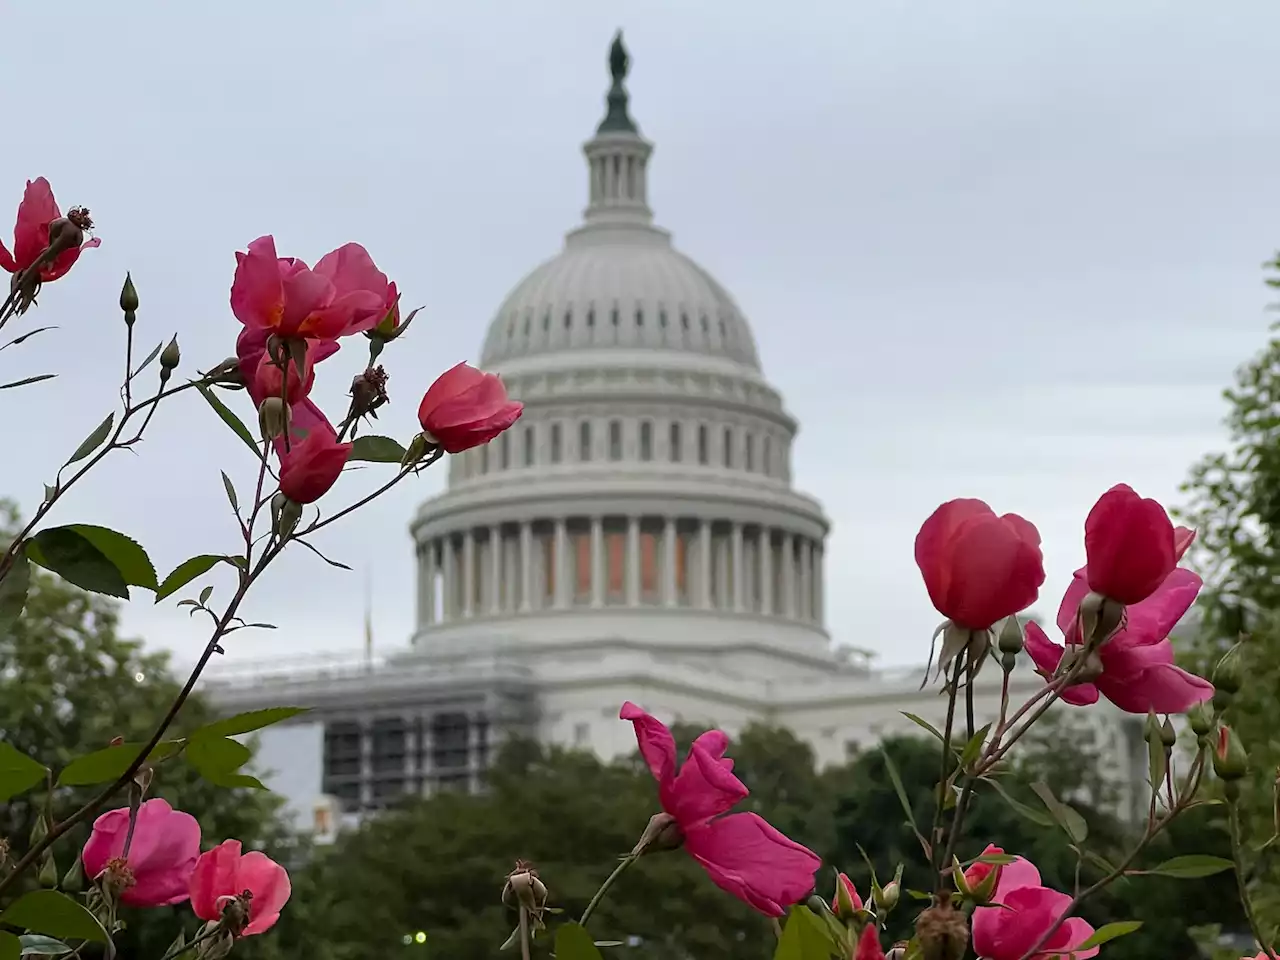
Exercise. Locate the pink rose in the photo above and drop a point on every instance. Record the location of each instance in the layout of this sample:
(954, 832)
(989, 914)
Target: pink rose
(162, 854)
(465, 408)
(223, 875)
(37, 210)
(1022, 911)
(741, 853)
(345, 293)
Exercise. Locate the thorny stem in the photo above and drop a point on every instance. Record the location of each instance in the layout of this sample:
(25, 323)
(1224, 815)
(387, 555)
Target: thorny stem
(935, 835)
(1237, 859)
(966, 792)
(128, 364)
(524, 933)
(1154, 828)
(404, 472)
(205, 935)
(604, 888)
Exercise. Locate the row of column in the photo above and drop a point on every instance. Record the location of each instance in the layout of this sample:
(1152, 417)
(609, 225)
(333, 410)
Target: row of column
(506, 569)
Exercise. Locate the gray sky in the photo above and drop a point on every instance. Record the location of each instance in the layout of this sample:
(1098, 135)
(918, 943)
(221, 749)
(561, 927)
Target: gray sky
(997, 249)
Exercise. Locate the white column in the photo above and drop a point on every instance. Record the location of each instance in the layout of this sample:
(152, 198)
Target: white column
(788, 576)
(766, 572)
(597, 562)
(468, 573)
(818, 598)
(423, 602)
(633, 561)
(429, 581)
(563, 593)
(739, 581)
(669, 562)
(704, 564)
(495, 569)
(526, 566)
(450, 604)
(806, 580)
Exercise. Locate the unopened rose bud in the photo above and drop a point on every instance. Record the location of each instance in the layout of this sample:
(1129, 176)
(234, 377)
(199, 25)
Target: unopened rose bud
(287, 514)
(1100, 617)
(273, 418)
(886, 897)
(1168, 736)
(416, 450)
(1010, 639)
(818, 905)
(846, 903)
(48, 875)
(1084, 664)
(73, 879)
(226, 374)
(170, 357)
(978, 884)
(1008, 661)
(128, 299)
(1201, 719)
(1230, 762)
(660, 834)
(1229, 673)
(39, 830)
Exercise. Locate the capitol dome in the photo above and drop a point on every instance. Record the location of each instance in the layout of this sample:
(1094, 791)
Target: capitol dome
(646, 492)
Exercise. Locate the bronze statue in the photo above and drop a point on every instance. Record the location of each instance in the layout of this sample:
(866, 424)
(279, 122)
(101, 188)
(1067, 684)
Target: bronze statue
(618, 59)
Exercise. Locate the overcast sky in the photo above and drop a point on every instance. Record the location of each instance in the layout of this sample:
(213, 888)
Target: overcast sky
(999, 249)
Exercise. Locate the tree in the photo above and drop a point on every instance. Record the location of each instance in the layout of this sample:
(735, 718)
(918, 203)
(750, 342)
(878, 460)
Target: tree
(69, 684)
(1235, 507)
(437, 865)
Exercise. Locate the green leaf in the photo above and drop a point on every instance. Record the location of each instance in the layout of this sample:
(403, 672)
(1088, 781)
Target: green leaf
(574, 943)
(219, 759)
(1020, 808)
(376, 449)
(924, 725)
(13, 590)
(1110, 932)
(155, 352)
(899, 789)
(973, 748)
(230, 419)
(185, 572)
(10, 946)
(103, 766)
(1063, 815)
(93, 441)
(34, 945)
(231, 493)
(130, 559)
(1157, 761)
(1191, 867)
(75, 559)
(248, 722)
(23, 382)
(54, 914)
(802, 939)
(18, 772)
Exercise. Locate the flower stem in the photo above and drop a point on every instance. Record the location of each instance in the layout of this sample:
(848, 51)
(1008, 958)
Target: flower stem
(604, 888)
(1237, 850)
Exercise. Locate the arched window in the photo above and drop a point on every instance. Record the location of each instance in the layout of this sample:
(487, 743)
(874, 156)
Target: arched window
(484, 459)
(528, 445)
(505, 443)
(728, 447)
(749, 451)
(767, 456)
(703, 457)
(556, 442)
(674, 450)
(646, 440)
(584, 441)
(615, 439)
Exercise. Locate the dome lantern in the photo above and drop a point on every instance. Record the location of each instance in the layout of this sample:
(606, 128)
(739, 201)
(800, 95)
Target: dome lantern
(617, 156)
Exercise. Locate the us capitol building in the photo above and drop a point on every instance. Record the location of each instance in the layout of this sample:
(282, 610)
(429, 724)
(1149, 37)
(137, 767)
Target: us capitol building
(636, 535)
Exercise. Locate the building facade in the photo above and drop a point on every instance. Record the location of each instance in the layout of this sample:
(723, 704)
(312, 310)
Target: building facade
(635, 536)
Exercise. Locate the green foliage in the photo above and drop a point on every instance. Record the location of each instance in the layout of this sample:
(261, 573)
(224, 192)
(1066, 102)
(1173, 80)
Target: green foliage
(69, 685)
(376, 449)
(53, 914)
(1235, 508)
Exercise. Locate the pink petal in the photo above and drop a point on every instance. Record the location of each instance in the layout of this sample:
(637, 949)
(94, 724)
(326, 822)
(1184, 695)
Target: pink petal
(269, 883)
(163, 837)
(1163, 688)
(1044, 652)
(106, 841)
(214, 876)
(31, 231)
(1080, 694)
(1020, 873)
(7, 263)
(657, 746)
(348, 313)
(748, 858)
(257, 292)
(1077, 590)
(933, 544)
(449, 384)
(703, 788)
(64, 261)
(1152, 620)
(305, 293)
(1183, 537)
(351, 268)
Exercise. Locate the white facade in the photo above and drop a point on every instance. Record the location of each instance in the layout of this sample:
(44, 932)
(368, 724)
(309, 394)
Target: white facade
(635, 536)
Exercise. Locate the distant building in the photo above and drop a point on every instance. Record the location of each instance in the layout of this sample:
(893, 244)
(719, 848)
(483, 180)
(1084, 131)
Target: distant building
(635, 536)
